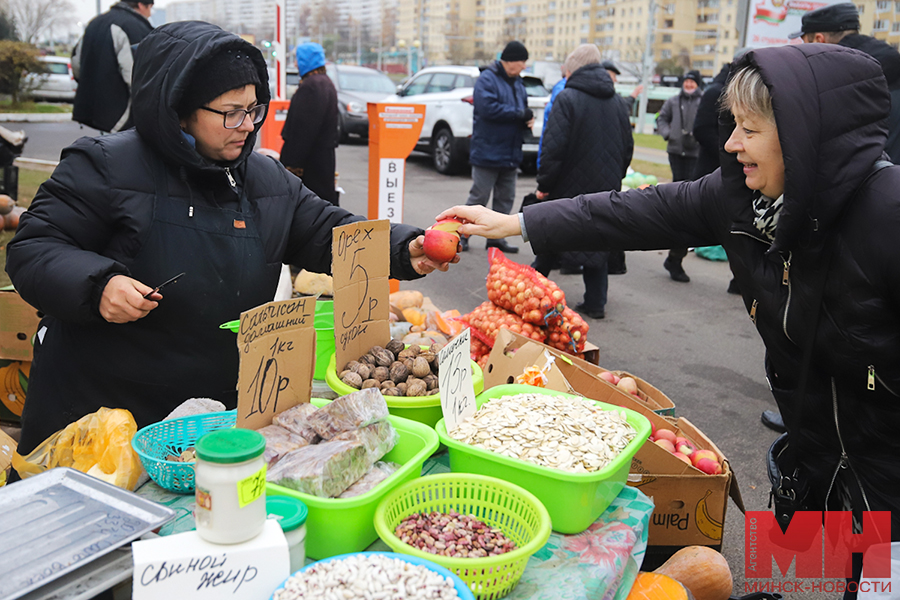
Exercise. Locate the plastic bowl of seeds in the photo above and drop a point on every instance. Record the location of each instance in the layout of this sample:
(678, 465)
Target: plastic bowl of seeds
(507, 508)
(571, 452)
(385, 575)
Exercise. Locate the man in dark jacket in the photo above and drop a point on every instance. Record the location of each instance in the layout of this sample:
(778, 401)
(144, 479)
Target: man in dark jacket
(839, 24)
(500, 119)
(587, 148)
(676, 126)
(182, 191)
(826, 243)
(310, 130)
(102, 63)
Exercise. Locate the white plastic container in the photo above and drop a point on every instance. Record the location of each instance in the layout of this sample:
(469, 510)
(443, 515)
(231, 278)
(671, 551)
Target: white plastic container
(291, 515)
(230, 478)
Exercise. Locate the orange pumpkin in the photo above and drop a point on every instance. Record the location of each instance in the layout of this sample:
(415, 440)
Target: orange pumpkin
(653, 586)
(701, 570)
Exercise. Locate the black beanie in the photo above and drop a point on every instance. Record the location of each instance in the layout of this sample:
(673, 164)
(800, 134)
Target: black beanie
(222, 72)
(514, 52)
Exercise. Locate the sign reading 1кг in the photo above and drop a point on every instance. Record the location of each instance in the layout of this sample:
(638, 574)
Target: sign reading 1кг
(361, 265)
(276, 344)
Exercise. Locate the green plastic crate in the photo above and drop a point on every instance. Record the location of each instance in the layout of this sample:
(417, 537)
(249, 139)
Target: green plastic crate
(574, 500)
(341, 525)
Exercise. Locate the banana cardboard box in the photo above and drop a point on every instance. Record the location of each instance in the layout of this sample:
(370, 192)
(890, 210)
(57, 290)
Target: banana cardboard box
(18, 324)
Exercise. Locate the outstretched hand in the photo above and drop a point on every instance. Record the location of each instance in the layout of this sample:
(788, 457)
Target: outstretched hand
(123, 300)
(421, 263)
(478, 220)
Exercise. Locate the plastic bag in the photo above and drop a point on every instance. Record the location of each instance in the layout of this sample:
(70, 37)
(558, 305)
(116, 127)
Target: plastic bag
(280, 441)
(349, 412)
(7, 448)
(378, 473)
(378, 438)
(570, 334)
(98, 444)
(524, 291)
(296, 420)
(488, 319)
(325, 469)
(716, 253)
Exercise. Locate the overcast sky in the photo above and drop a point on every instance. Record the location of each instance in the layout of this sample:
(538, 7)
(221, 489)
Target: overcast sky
(86, 9)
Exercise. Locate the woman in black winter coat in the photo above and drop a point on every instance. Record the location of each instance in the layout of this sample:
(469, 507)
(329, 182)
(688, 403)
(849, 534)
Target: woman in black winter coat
(810, 226)
(181, 192)
(586, 147)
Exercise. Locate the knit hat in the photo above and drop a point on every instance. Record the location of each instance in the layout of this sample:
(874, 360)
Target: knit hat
(514, 52)
(583, 55)
(310, 56)
(222, 72)
(695, 75)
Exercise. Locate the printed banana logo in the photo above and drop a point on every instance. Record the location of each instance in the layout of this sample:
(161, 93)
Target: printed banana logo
(705, 523)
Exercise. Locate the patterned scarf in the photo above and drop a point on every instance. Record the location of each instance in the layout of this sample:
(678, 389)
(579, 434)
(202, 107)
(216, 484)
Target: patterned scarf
(767, 210)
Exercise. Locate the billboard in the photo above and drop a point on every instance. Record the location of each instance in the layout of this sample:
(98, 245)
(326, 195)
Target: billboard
(769, 22)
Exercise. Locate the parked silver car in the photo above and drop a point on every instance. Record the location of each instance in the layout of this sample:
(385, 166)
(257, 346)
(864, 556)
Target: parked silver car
(57, 83)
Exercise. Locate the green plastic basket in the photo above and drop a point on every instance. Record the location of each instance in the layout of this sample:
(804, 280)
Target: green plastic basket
(574, 500)
(424, 409)
(508, 507)
(154, 442)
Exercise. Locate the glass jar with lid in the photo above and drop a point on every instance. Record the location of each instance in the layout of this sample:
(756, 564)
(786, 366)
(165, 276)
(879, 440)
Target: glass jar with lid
(230, 481)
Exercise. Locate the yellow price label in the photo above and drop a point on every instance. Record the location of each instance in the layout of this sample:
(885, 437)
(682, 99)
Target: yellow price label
(252, 487)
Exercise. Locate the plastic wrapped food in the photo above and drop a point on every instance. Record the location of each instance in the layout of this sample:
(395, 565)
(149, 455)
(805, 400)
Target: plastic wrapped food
(324, 470)
(378, 473)
(378, 438)
(280, 441)
(349, 412)
(296, 420)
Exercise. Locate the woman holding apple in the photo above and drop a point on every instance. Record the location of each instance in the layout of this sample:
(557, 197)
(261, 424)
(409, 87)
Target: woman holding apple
(809, 218)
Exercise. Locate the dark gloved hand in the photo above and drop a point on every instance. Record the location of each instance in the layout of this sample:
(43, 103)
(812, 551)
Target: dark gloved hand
(529, 114)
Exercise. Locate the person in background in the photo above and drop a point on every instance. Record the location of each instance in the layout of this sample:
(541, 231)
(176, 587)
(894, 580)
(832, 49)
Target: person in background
(616, 263)
(588, 147)
(501, 117)
(839, 24)
(181, 192)
(557, 88)
(310, 131)
(102, 63)
(676, 126)
(809, 213)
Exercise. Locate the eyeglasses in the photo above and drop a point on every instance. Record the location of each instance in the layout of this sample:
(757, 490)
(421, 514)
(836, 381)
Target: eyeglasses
(235, 118)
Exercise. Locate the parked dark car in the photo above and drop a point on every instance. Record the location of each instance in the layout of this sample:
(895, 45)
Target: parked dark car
(356, 87)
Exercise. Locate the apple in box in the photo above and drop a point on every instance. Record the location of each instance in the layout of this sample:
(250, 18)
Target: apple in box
(442, 240)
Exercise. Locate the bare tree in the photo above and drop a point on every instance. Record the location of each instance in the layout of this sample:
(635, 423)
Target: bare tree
(36, 17)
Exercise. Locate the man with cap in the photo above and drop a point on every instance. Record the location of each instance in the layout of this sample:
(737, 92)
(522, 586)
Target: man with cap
(500, 119)
(102, 63)
(676, 125)
(839, 24)
(310, 131)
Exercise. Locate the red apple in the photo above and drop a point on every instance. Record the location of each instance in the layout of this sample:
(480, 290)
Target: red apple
(682, 457)
(629, 385)
(684, 446)
(666, 434)
(709, 466)
(608, 376)
(451, 225)
(440, 244)
(652, 429)
(666, 445)
(696, 455)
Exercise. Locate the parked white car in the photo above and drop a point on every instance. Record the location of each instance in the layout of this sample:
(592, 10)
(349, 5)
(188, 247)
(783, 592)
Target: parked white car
(57, 83)
(447, 93)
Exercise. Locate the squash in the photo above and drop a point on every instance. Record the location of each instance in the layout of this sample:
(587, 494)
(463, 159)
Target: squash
(653, 586)
(702, 570)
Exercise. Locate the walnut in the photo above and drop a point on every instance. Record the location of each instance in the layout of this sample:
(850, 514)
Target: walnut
(409, 363)
(381, 373)
(368, 383)
(431, 380)
(421, 368)
(344, 372)
(351, 366)
(395, 346)
(368, 359)
(428, 355)
(353, 380)
(383, 358)
(407, 353)
(391, 392)
(374, 350)
(387, 384)
(399, 372)
(402, 387)
(436, 347)
(365, 371)
(416, 388)
(415, 349)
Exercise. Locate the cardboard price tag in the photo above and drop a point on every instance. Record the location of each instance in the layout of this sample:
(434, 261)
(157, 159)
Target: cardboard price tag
(361, 265)
(455, 380)
(276, 342)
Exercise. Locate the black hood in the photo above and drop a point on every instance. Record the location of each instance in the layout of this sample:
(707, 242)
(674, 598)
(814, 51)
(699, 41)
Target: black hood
(164, 65)
(593, 80)
(831, 105)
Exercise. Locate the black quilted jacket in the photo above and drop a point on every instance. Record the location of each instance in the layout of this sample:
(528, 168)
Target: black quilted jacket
(830, 105)
(587, 145)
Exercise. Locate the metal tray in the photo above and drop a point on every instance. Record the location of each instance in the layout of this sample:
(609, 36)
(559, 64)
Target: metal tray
(56, 522)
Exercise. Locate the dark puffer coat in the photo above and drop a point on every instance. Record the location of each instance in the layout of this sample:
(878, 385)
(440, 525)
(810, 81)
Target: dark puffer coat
(498, 122)
(108, 198)
(677, 117)
(830, 106)
(587, 145)
(706, 125)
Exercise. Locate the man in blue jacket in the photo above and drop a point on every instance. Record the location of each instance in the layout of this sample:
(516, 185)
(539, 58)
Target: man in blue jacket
(500, 120)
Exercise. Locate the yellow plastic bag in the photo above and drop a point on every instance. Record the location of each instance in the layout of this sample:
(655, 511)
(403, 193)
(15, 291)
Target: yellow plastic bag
(98, 444)
(7, 447)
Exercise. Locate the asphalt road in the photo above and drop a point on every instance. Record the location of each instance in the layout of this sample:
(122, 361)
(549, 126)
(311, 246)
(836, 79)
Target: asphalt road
(693, 341)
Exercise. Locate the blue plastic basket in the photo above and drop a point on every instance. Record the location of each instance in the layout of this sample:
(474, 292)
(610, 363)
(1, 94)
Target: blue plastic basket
(461, 590)
(154, 442)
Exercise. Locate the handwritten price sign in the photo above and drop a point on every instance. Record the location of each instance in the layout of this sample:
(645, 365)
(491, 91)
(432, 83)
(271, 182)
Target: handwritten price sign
(457, 391)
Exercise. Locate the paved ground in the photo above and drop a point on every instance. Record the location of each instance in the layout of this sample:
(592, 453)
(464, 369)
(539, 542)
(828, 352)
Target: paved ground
(693, 341)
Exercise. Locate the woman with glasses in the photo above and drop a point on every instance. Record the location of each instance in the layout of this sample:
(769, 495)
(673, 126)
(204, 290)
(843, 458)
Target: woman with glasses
(182, 192)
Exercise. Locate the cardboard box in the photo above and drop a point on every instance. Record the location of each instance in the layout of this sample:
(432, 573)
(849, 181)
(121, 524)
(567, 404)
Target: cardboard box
(18, 324)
